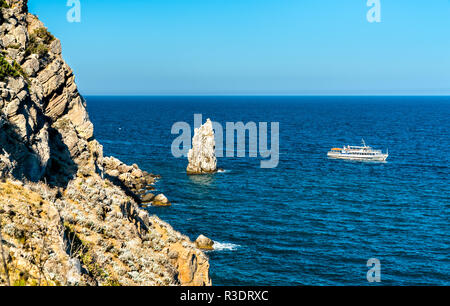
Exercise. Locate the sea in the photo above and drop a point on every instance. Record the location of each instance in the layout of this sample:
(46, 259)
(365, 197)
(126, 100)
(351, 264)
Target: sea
(311, 220)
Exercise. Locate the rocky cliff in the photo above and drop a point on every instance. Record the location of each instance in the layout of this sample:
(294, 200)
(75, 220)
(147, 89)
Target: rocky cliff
(68, 215)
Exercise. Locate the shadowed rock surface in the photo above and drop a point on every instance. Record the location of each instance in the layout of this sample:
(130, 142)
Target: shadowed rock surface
(68, 215)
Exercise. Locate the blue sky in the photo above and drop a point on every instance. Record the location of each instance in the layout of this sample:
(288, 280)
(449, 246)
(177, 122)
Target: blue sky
(254, 46)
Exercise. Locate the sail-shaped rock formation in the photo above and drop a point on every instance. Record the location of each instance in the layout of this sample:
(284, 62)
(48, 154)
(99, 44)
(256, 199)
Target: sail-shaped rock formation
(202, 156)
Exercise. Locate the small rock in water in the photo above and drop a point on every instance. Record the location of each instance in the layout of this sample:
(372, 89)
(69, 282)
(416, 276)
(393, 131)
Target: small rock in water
(147, 198)
(202, 156)
(161, 200)
(204, 243)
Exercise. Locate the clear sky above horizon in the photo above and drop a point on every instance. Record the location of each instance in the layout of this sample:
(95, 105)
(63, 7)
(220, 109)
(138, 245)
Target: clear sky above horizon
(254, 46)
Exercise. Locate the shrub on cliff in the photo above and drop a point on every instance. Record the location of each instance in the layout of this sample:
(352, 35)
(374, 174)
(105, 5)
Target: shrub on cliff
(6, 70)
(35, 47)
(19, 69)
(38, 42)
(45, 35)
(14, 46)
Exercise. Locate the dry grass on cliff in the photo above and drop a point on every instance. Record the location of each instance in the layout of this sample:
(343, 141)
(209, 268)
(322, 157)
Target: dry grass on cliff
(24, 231)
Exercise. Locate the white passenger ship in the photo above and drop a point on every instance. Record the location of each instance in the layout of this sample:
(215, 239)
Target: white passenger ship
(363, 152)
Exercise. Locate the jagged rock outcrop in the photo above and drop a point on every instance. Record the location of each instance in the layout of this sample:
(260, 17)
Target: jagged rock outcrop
(131, 177)
(68, 215)
(138, 183)
(202, 156)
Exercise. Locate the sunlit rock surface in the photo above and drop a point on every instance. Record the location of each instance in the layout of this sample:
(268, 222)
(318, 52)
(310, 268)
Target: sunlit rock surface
(202, 156)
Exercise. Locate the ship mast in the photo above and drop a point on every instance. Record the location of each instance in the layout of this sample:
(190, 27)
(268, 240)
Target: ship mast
(364, 143)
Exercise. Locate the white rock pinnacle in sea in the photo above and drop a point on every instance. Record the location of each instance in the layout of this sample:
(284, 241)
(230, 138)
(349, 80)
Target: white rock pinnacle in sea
(202, 156)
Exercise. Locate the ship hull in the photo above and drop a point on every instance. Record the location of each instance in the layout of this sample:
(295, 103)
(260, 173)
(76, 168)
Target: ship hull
(381, 157)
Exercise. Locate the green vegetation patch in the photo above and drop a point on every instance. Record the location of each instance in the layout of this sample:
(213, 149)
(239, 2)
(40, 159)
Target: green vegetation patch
(35, 47)
(3, 4)
(6, 70)
(14, 46)
(39, 41)
(45, 35)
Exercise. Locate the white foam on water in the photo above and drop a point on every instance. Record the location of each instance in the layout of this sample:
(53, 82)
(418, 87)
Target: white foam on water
(225, 246)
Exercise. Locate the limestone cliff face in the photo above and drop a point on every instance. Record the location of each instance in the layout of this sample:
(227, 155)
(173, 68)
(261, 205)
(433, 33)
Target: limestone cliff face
(46, 127)
(202, 156)
(56, 201)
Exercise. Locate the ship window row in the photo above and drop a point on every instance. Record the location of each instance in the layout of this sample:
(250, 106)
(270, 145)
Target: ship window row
(357, 153)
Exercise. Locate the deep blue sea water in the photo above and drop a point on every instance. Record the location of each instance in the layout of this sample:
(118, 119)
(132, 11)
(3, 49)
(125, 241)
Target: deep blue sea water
(311, 220)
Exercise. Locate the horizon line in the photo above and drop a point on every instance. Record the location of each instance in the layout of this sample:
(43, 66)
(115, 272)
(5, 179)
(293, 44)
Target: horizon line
(266, 95)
